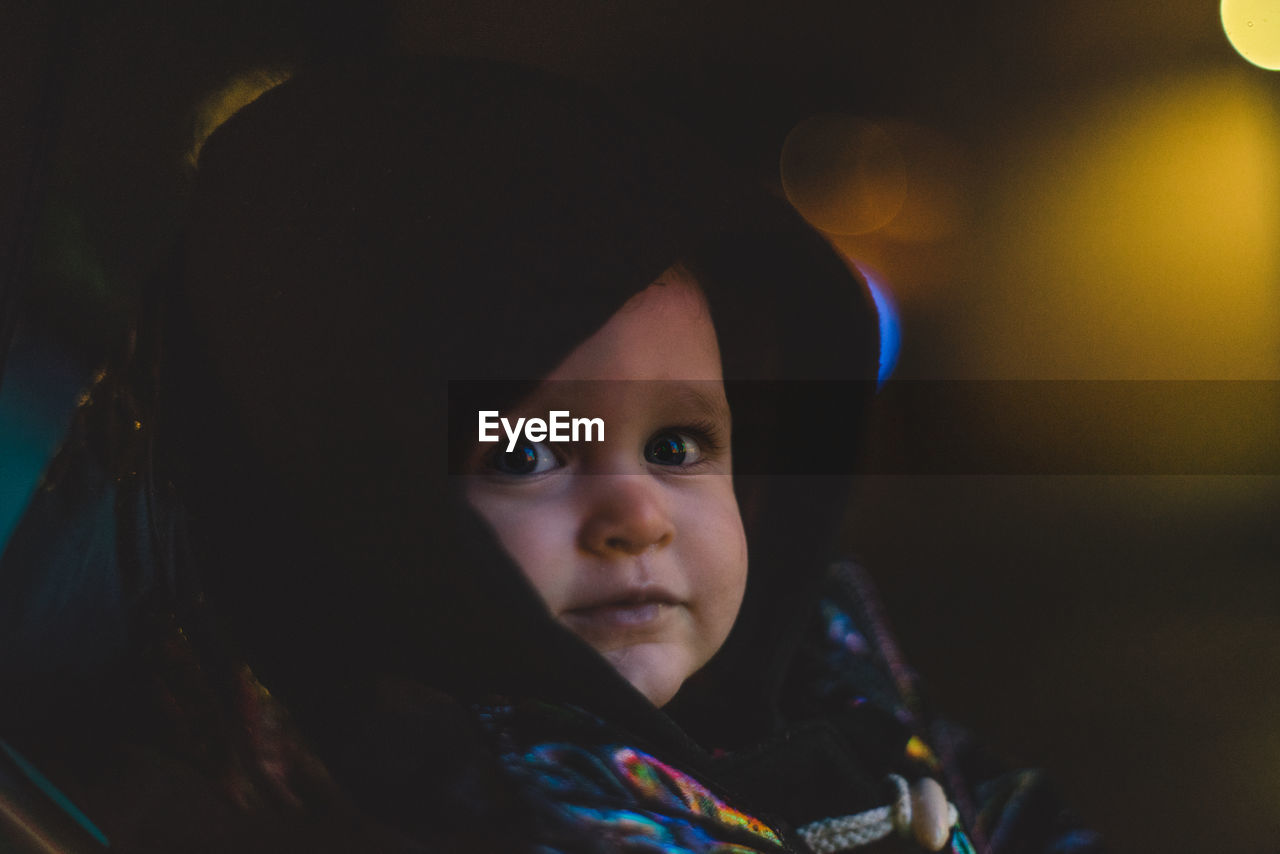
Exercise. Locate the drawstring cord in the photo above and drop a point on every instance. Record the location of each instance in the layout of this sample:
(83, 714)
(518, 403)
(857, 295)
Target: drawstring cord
(916, 812)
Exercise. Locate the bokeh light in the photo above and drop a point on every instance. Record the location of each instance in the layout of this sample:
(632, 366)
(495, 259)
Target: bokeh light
(1253, 28)
(845, 175)
(935, 207)
(1139, 238)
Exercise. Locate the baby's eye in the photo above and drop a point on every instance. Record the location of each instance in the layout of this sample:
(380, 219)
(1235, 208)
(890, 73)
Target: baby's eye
(525, 459)
(673, 448)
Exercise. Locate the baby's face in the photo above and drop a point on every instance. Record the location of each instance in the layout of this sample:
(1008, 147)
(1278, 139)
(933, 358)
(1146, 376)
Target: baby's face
(634, 543)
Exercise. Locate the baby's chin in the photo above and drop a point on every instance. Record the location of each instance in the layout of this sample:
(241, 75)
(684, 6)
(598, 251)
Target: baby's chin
(656, 670)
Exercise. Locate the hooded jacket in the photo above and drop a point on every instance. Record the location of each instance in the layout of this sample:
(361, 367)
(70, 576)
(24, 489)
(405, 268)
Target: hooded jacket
(372, 250)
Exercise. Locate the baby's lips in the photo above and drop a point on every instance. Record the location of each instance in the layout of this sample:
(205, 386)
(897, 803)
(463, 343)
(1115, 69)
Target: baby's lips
(621, 615)
(635, 609)
(629, 596)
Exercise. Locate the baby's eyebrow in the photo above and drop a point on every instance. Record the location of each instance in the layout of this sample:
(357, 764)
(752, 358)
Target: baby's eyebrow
(705, 397)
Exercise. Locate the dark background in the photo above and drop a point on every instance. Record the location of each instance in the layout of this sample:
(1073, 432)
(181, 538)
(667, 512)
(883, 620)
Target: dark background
(1050, 192)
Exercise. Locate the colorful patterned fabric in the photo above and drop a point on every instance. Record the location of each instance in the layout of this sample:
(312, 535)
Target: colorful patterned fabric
(618, 796)
(589, 789)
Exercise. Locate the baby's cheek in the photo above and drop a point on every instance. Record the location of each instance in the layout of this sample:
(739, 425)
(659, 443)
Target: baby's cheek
(729, 556)
(540, 542)
(721, 564)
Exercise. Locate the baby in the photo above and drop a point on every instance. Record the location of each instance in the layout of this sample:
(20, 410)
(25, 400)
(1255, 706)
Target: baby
(635, 543)
(562, 649)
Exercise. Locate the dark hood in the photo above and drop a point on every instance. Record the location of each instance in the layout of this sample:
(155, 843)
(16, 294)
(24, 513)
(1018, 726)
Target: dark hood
(363, 237)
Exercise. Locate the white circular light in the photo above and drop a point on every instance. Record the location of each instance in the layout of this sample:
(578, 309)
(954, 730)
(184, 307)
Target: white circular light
(1253, 28)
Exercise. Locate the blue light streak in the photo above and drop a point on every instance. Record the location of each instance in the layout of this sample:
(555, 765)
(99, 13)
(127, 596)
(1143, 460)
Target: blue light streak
(890, 328)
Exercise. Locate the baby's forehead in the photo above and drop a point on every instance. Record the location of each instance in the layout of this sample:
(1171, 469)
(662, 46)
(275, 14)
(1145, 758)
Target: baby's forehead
(661, 333)
(678, 289)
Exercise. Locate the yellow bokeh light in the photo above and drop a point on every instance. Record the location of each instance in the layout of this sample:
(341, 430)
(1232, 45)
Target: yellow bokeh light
(1253, 28)
(845, 175)
(1140, 239)
(1137, 238)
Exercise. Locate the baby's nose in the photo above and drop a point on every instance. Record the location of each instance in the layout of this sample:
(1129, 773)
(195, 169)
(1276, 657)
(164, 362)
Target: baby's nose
(625, 514)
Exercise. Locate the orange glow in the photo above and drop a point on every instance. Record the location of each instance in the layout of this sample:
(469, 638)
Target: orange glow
(920, 201)
(843, 174)
(934, 206)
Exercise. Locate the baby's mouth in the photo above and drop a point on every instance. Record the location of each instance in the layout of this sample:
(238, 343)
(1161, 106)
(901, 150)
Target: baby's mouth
(632, 610)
